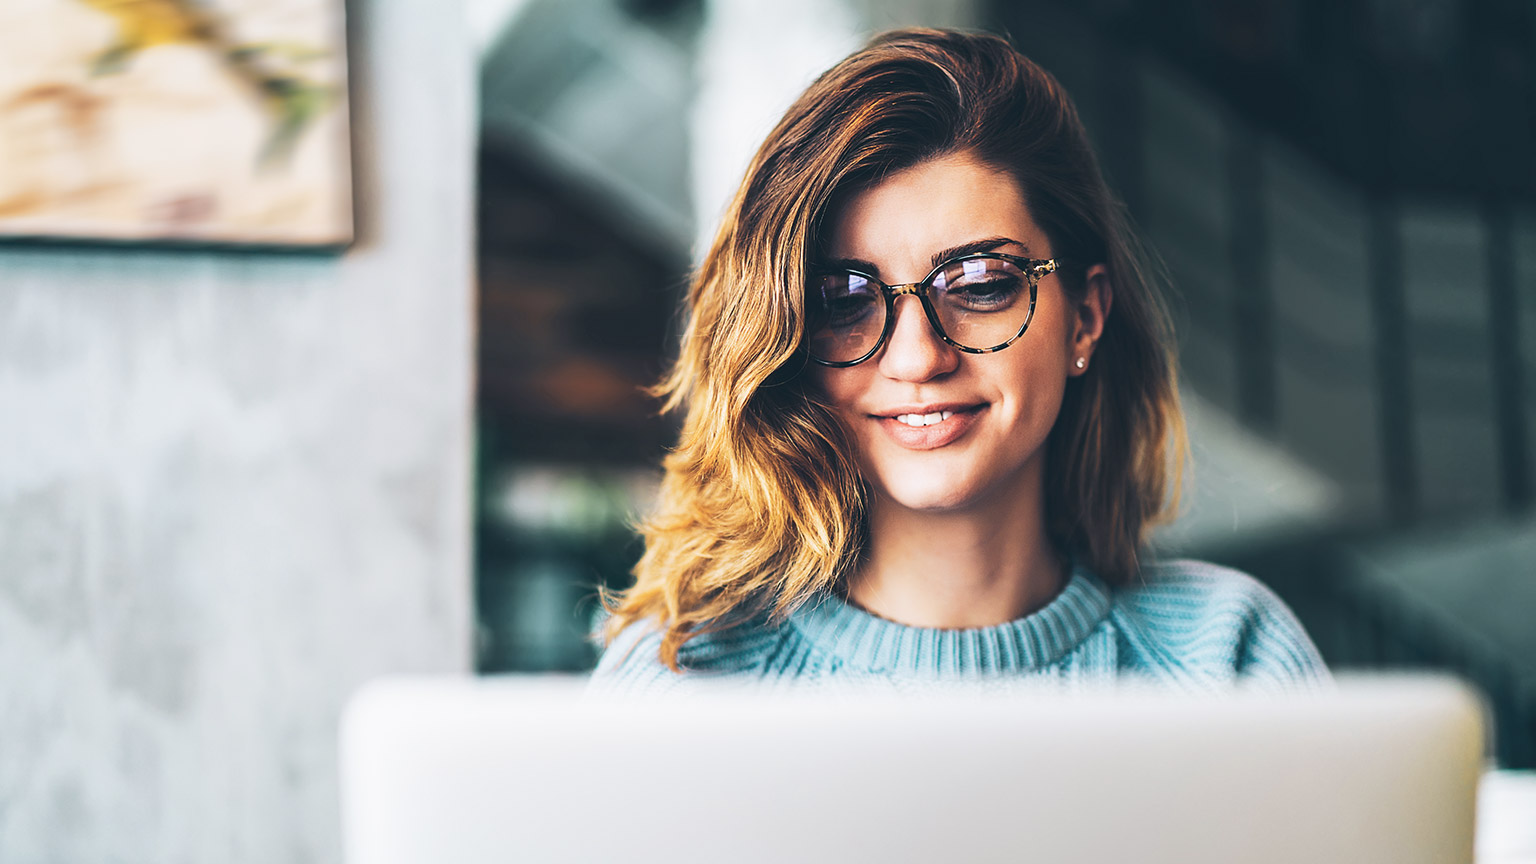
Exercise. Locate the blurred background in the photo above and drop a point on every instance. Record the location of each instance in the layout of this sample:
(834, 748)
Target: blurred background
(235, 485)
(1343, 195)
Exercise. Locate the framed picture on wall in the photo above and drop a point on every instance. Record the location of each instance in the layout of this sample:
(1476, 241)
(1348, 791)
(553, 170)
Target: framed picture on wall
(201, 121)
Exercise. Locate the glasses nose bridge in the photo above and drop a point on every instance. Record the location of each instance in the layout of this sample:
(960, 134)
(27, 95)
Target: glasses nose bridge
(918, 291)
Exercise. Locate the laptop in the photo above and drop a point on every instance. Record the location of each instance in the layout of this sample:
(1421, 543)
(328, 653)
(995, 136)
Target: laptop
(532, 769)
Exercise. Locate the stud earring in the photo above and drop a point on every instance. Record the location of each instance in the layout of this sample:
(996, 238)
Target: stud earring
(1081, 362)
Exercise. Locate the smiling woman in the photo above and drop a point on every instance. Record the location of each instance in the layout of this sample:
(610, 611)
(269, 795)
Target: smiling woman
(929, 410)
(952, 446)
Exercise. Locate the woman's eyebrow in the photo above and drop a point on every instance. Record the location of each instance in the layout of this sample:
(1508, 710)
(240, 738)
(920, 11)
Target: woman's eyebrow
(858, 264)
(991, 244)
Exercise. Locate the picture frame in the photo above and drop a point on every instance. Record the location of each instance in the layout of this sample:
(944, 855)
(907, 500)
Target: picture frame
(218, 122)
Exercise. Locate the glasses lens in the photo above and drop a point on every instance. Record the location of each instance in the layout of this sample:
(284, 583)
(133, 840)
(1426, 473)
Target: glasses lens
(982, 302)
(845, 314)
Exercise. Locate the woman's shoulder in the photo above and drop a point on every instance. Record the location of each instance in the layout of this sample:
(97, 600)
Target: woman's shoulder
(1173, 589)
(1214, 623)
(632, 664)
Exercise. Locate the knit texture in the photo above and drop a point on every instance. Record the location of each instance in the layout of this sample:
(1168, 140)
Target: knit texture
(1186, 624)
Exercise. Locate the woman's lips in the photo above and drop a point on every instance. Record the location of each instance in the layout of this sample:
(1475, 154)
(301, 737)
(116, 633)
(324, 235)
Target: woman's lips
(932, 435)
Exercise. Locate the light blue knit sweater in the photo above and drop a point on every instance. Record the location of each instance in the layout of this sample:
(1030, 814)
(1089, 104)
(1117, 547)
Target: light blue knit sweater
(1187, 624)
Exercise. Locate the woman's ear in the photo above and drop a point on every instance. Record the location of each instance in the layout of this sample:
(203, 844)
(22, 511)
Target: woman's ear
(1092, 310)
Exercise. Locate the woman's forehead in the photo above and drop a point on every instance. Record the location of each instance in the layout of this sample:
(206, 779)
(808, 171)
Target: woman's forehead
(906, 218)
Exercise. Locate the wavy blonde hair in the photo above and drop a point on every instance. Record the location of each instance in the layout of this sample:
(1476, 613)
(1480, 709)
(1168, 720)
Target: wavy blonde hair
(762, 506)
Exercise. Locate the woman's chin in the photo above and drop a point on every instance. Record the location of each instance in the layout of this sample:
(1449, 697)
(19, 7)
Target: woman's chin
(937, 496)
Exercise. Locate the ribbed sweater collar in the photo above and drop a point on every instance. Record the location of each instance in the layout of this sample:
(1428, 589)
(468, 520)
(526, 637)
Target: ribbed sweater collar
(865, 641)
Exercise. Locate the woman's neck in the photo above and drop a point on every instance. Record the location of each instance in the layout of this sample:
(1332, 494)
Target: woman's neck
(974, 568)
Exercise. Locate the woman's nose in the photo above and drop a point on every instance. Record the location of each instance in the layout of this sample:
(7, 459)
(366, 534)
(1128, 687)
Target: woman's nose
(915, 352)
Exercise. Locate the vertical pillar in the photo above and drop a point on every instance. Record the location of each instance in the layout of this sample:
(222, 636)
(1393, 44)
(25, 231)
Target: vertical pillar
(1399, 476)
(1252, 306)
(1506, 366)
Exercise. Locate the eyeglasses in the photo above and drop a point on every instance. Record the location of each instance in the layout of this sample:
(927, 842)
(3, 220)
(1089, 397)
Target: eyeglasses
(975, 302)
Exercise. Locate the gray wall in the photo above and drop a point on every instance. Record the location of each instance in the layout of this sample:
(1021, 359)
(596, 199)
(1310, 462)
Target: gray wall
(231, 488)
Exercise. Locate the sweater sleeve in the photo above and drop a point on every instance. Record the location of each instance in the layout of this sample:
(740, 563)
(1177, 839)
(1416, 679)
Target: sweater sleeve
(1207, 624)
(1274, 650)
(746, 651)
(631, 664)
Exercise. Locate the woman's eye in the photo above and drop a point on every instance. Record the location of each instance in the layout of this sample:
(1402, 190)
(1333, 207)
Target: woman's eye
(981, 295)
(847, 310)
(843, 301)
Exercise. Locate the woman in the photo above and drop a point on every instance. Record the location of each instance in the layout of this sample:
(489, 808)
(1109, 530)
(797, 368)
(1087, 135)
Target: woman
(929, 404)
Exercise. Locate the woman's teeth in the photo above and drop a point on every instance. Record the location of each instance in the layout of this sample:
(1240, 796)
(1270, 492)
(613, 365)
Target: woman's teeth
(924, 419)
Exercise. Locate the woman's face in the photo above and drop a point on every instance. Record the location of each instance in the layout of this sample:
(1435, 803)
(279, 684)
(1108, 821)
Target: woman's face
(998, 408)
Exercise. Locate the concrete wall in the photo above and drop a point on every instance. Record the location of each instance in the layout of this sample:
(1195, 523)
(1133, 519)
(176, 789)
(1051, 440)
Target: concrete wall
(233, 486)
